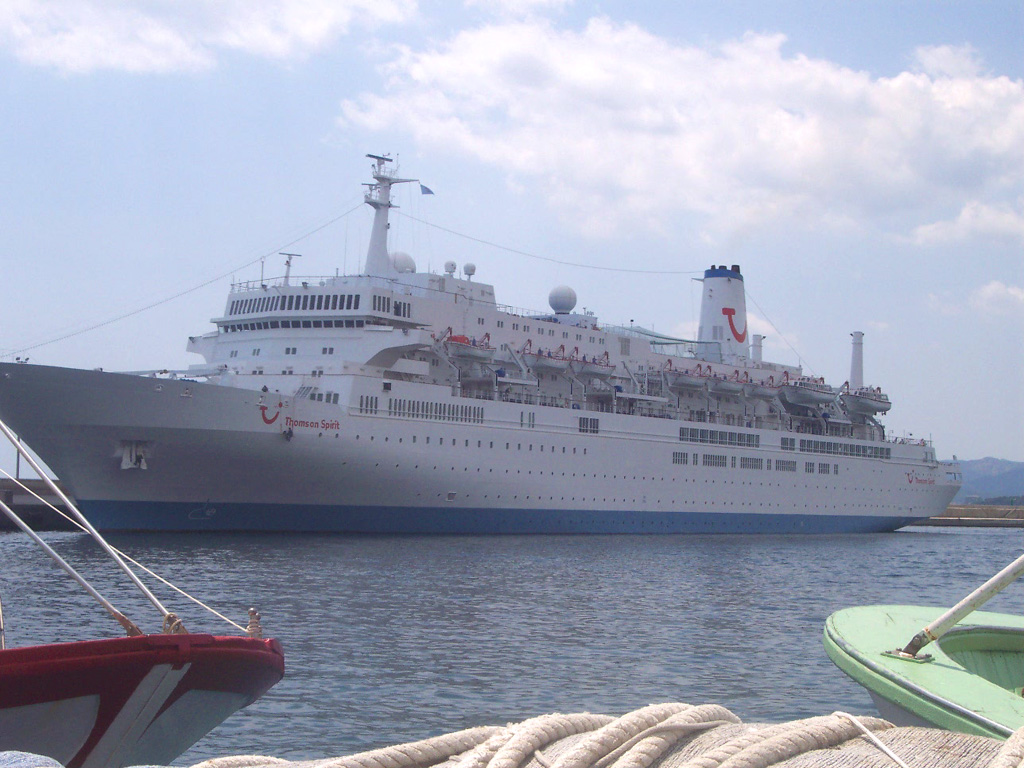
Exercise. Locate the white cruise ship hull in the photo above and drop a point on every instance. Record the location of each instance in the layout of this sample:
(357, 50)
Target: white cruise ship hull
(141, 453)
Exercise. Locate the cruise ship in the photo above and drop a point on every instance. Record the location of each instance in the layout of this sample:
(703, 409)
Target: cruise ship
(401, 401)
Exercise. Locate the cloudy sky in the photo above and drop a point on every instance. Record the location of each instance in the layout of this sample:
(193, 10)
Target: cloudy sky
(862, 161)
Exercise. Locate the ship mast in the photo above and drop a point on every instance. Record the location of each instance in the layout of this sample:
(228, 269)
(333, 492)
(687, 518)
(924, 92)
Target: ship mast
(378, 197)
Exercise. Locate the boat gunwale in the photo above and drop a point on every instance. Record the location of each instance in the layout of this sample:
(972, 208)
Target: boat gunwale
(985, 725)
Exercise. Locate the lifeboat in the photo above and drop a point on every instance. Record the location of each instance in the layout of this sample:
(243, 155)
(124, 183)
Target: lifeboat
(806, 391)
(866, 401)
(684, 379)
(761, 390)
(595, 366)
(548, 360)
(726, 385)
(469, 349)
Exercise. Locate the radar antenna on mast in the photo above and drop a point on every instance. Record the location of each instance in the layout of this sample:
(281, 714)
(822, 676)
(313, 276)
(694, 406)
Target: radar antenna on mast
(378, 197)
(288, 263)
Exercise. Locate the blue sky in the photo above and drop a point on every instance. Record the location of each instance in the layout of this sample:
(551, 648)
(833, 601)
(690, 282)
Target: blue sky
(862, 161)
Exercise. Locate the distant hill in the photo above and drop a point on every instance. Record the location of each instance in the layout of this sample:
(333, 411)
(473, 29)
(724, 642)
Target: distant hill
(990, 478)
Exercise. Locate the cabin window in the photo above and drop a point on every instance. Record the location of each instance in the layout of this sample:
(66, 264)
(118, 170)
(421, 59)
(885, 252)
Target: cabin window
(320, 301)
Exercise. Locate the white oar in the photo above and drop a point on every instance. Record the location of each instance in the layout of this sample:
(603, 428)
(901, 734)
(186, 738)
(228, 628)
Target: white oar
(971, 603)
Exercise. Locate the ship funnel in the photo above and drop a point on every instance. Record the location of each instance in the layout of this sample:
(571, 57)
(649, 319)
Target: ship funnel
(755, 347)
(857, 361)
(723, 312)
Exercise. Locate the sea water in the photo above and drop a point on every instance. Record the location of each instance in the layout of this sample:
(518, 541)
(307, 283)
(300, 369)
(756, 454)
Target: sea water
(391, 639)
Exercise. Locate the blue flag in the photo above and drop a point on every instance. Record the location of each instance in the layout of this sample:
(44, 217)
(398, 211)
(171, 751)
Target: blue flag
(426, 190)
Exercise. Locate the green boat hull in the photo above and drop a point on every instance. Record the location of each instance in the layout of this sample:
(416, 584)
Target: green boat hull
(972, 682)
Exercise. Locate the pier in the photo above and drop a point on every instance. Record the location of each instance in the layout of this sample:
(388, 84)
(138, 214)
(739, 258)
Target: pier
(30, 509)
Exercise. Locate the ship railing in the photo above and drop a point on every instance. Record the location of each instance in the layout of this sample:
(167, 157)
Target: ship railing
(311, 281)
(908, 440)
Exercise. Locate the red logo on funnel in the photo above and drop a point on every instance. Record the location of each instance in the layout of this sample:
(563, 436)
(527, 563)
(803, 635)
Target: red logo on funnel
(740, 337)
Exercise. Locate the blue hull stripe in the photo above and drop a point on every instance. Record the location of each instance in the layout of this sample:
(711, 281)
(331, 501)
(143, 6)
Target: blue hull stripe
(173, 516)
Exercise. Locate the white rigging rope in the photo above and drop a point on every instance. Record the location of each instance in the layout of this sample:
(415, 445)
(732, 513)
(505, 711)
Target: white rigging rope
(120, 553)
(550, 259)
(179, 294)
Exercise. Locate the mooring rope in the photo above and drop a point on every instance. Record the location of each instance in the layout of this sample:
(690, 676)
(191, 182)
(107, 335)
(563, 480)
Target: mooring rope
(634, 740)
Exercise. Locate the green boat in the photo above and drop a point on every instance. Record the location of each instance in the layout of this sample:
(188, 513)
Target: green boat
(970, 680)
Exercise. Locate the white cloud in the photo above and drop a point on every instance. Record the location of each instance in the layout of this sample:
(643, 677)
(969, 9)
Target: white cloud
(948, 60)
(999, 299)
(623, 127)
(518, 8)
(975, 220)
(87, 35)
(945, 304)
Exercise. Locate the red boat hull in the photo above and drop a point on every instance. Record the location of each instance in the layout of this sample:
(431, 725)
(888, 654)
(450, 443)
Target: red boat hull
(128, 701)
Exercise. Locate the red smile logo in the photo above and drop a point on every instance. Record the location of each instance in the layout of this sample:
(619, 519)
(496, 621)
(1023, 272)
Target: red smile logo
(263, 413)
(730, 312)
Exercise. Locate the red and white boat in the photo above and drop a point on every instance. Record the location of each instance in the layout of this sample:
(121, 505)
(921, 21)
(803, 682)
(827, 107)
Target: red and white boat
(128, 700)
(141, 699)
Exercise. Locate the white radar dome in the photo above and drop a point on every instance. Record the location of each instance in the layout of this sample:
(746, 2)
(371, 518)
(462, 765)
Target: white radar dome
(562, 299)
(402, 262)
(469, 269)
(449, 267)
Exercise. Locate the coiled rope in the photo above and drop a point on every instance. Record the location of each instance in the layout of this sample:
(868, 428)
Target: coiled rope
(666, 735)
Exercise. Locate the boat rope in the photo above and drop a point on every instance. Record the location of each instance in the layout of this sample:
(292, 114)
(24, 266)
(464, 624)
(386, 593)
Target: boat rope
(87, 525)
(130, 559)
(128, 625)
(1012, 753)
(515, 747)
(782, 336)
(634, 740)
(432, 751)
(548, 258)
(762, 747)
(184, 292)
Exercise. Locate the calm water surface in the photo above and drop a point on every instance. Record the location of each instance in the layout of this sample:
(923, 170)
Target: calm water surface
(391, 639)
